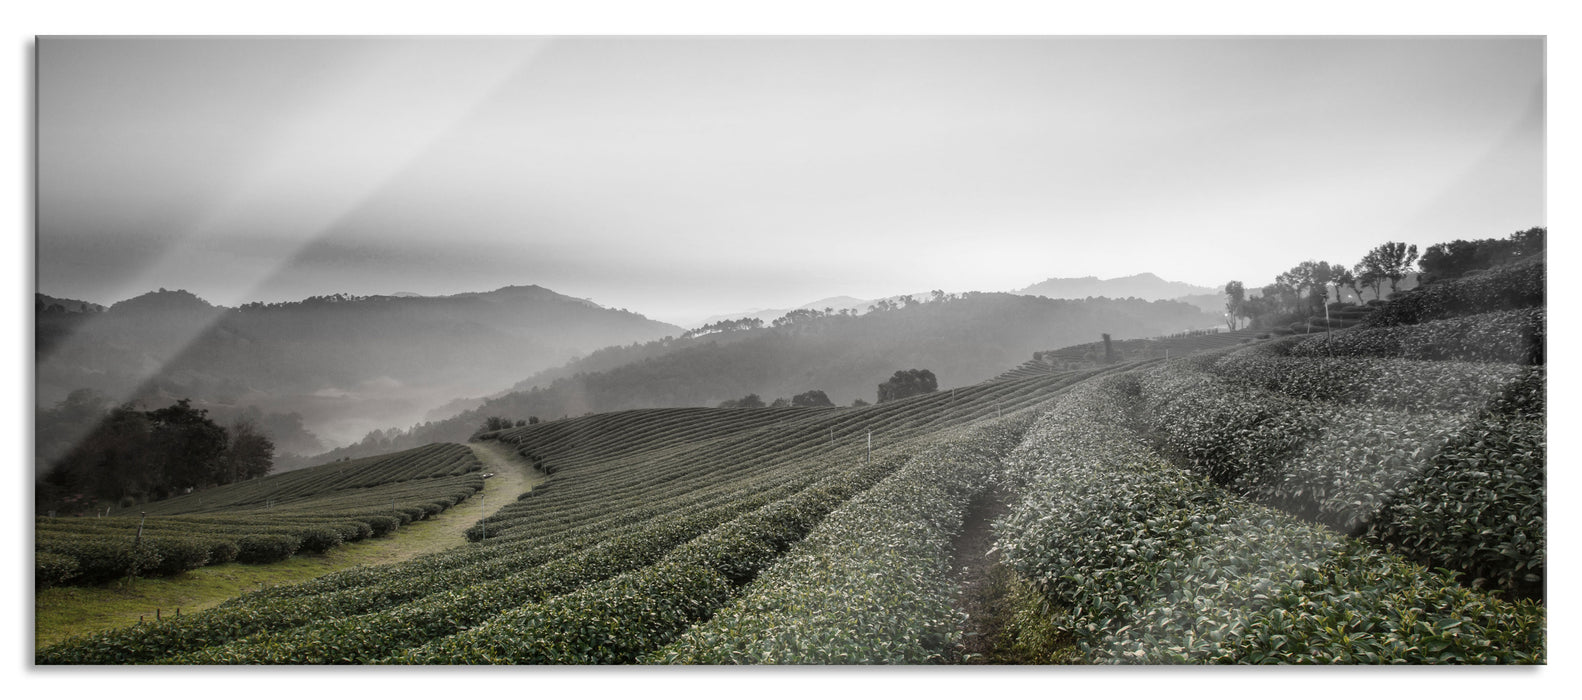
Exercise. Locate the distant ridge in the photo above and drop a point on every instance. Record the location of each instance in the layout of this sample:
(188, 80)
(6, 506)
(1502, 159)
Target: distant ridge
(1146, 286)
(344, 363)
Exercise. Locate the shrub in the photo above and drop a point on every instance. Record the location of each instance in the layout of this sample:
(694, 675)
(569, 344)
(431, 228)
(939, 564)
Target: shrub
(265, 549)
(50, 569)
(1143, 563)
(317, 540)
(1516, 286)
(381, 525)
(178, 554)
(1500, 336)
(1478, 507)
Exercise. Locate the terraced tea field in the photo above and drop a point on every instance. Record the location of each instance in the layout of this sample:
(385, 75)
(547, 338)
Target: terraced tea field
(1374, 496)
(629, 492)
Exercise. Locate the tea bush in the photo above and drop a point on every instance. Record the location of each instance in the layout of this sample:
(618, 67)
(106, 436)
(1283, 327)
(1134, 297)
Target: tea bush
(1516, 337)
(1517, 286)
(872, 583)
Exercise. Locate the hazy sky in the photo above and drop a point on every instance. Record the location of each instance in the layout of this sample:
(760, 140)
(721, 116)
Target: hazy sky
(685, 177)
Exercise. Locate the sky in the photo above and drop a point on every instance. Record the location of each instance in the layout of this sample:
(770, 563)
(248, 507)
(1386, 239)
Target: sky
(684, 177)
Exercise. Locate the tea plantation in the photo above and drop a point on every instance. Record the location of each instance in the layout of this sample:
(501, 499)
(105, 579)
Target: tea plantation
(1374, 495)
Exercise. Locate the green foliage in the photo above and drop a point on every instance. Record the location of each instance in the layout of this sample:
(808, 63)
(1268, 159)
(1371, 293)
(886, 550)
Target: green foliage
(812, 398)
(907, 383)
(1362, 606)
(1444, 261)
(264, 549)
(1478, 507)
(1142, 563)
(50, 568)
(1500, 336)
(872, 583)
(602, 624)
(1519, 285)
(267, 520)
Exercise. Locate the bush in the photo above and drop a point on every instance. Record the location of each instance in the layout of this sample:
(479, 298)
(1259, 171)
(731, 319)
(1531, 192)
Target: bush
(50, 569)
(1500, 336)
(872, 583)
(1478, 507)
(102, 558)
(265, 549)
(178, 554)
(1517, 286)
(381, 525)
(1143, 563)
(318, 540)
(222, 551)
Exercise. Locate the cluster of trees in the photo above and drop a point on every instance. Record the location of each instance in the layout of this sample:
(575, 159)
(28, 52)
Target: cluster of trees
(1444, 261)
(1305, 289)
(811, 398)
(493, 423)
(129, 455)
(907, 382)
(741, 324)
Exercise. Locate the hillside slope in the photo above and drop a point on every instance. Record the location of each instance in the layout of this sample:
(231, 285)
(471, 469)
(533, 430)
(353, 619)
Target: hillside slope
(346, 364)
(963, 340)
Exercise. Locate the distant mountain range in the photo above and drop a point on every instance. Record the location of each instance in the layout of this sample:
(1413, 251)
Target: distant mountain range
(346, 364)
(1146, 286)
(963, 339)
(838, 304)
(1142, 286)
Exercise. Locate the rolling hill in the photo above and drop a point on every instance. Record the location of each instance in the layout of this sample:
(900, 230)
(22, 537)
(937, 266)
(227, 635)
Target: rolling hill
(345, 364)
(962, 339)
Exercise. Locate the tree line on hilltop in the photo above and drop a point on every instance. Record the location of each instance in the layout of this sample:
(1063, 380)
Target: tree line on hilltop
(1304, 290)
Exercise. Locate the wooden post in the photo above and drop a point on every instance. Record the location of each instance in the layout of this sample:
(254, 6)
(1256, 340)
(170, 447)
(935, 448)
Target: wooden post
(139, 539)
(870, 446)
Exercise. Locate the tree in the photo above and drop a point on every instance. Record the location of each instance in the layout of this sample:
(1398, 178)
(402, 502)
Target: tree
(910, 382)
(1235, 299)
(814, 397)
(251, 455)
(1443, 261)
(1305, 282)
(1346, 278)
(1392, 261)
(748, 401)
(1368, 276)
(188, 446)
(1323, 276)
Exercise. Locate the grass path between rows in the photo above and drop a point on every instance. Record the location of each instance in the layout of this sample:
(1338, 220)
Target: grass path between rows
(72, 610)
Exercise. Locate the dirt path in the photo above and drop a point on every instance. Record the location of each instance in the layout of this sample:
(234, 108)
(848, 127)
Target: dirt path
(982, 584)
(61, 612)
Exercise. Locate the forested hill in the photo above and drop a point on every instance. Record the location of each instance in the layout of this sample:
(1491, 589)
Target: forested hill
(962, 339)
(1143, 286)
(346, 364)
